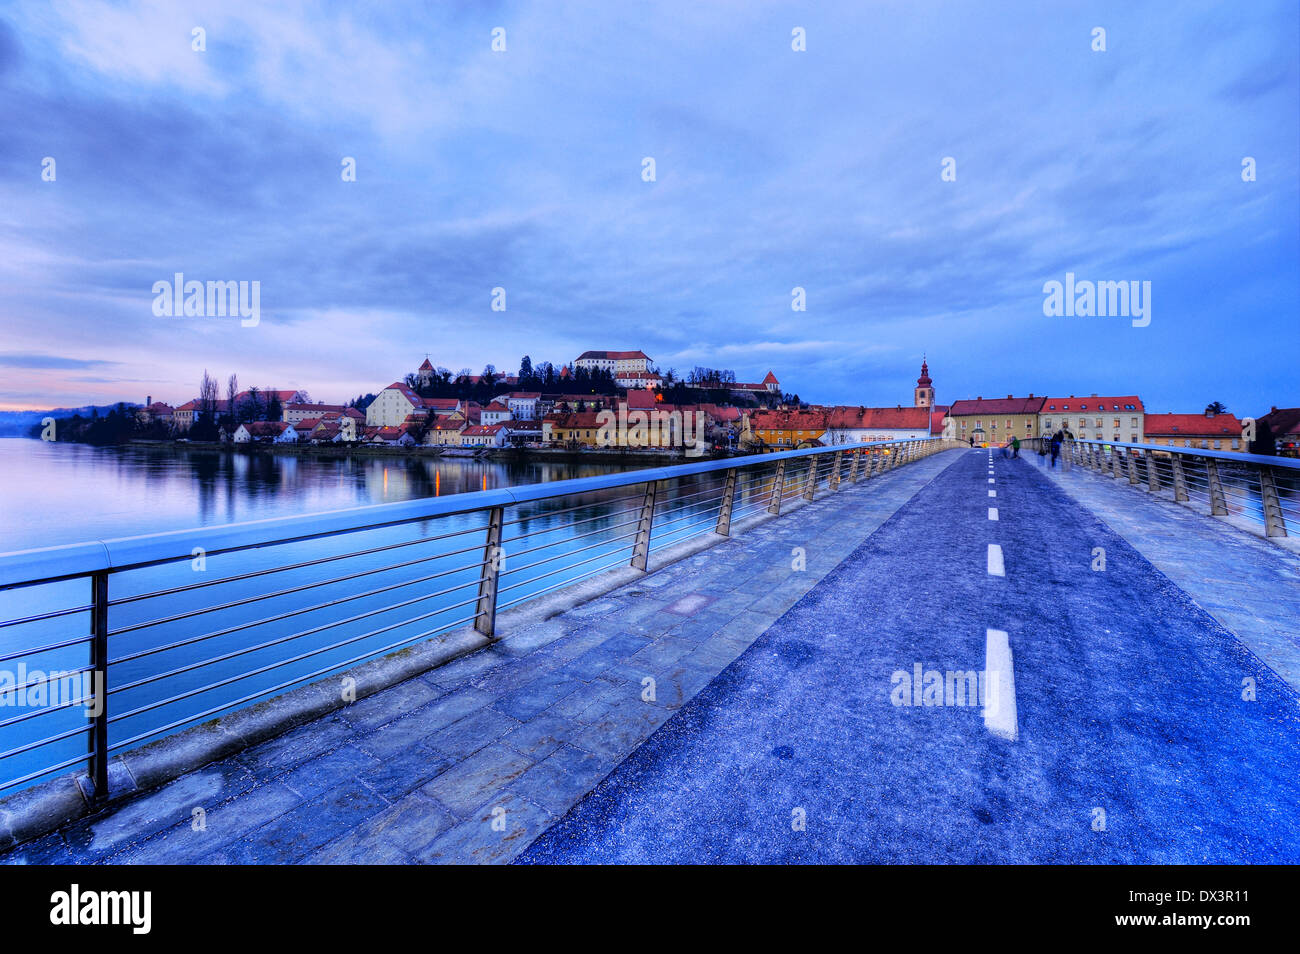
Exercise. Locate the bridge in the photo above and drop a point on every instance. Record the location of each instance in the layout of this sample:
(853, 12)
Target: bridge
(901, 651)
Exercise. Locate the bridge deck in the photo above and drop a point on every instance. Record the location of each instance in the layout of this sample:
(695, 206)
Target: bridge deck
(774, 704)
(1132, 740)
(527, 726)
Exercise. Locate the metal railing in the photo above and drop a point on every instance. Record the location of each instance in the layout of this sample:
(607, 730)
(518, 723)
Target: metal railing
(107, 645)
(1262, 490)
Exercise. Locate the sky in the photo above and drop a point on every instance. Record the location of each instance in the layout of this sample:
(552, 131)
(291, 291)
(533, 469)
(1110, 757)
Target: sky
(775, 168)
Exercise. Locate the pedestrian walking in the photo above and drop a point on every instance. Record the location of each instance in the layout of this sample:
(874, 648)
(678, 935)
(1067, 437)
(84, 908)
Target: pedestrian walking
(1015, 446)
(1057, 438)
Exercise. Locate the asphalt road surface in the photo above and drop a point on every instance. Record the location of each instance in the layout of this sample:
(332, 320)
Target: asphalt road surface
(1124, 730)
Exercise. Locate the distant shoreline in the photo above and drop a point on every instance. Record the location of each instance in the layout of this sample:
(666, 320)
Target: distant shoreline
(503, 454)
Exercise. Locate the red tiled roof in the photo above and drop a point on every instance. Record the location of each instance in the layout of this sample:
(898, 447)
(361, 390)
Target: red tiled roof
(770, 379)
(1282, 421)
(482, 430)
(802, 420)
(1104, 403)
(1192, 425)
(266, 428)
(576, 419)
(880, 418)
(614, 355)
(996, 406)
(322, 408)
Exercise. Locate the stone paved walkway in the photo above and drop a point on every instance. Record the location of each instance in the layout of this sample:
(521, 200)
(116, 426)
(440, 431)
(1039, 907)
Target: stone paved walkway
(472, 761)
(1249, 585)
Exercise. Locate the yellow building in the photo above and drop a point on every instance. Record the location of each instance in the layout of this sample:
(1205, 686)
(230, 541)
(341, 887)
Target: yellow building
(789, 429)
(995, 420)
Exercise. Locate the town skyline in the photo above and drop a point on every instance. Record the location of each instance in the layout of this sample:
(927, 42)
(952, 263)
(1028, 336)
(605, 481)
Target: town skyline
(471, 177)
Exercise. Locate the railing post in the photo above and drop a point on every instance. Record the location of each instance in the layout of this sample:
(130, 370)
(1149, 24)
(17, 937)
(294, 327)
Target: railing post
(778, 487)
(1153, 475)
(485, 611)
(98, 744)
(1274, 523)
(835, 470)
(641, 551)
(728, 499)
(869, 465)
(1131, 462)
(853, 467)
(1180, 481)
(810, 485)
(1218, 505)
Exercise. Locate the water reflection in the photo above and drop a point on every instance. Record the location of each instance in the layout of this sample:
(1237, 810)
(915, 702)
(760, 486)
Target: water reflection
(66, 493)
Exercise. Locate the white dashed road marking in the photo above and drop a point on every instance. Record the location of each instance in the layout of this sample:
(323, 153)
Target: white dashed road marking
(993, 513)
(1000, 686)
(990, 480)
(993, 493)
(996, 566)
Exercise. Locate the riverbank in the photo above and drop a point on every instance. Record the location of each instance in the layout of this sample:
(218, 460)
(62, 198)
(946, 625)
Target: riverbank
(610, 455)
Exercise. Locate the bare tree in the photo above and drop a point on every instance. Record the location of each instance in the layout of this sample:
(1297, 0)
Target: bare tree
(208, 394)
(232, 388)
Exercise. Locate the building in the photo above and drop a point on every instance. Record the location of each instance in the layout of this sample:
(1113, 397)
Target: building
(1220, 432)
(1115, 418)
(424, 373)
(445, 431)
(397, 402)
(637, 379)
(769, 385)
(572, 428)
(266, 432)
(483, 435)
(494, 413)
(296, 413)
(995, 420)
(923, 393)
(855, 425)
(1282, 427)
(155, 411)
(615, 362)
(522, 404)
(790, 428)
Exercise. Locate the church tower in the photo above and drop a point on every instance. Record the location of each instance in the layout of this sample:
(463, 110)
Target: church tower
(924, 393)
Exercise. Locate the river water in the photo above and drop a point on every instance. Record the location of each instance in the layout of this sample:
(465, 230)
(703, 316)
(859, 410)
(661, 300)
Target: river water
(188, 642)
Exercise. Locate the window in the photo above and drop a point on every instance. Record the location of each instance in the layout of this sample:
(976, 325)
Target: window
(1235, 444)
(1117, 423)
(1218, 445)
(1099, 422)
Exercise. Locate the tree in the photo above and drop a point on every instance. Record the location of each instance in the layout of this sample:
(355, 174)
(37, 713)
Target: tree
(525, 368)
(1216, 407)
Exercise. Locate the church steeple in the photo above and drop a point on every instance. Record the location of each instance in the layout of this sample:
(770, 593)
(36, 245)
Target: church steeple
(924, 393)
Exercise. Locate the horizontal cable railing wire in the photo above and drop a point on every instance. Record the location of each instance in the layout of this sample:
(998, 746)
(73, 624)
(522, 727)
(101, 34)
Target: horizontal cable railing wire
(1262, 490)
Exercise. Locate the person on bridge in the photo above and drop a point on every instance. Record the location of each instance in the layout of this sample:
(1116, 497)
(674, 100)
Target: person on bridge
(1057, 438)
(1015, 446)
